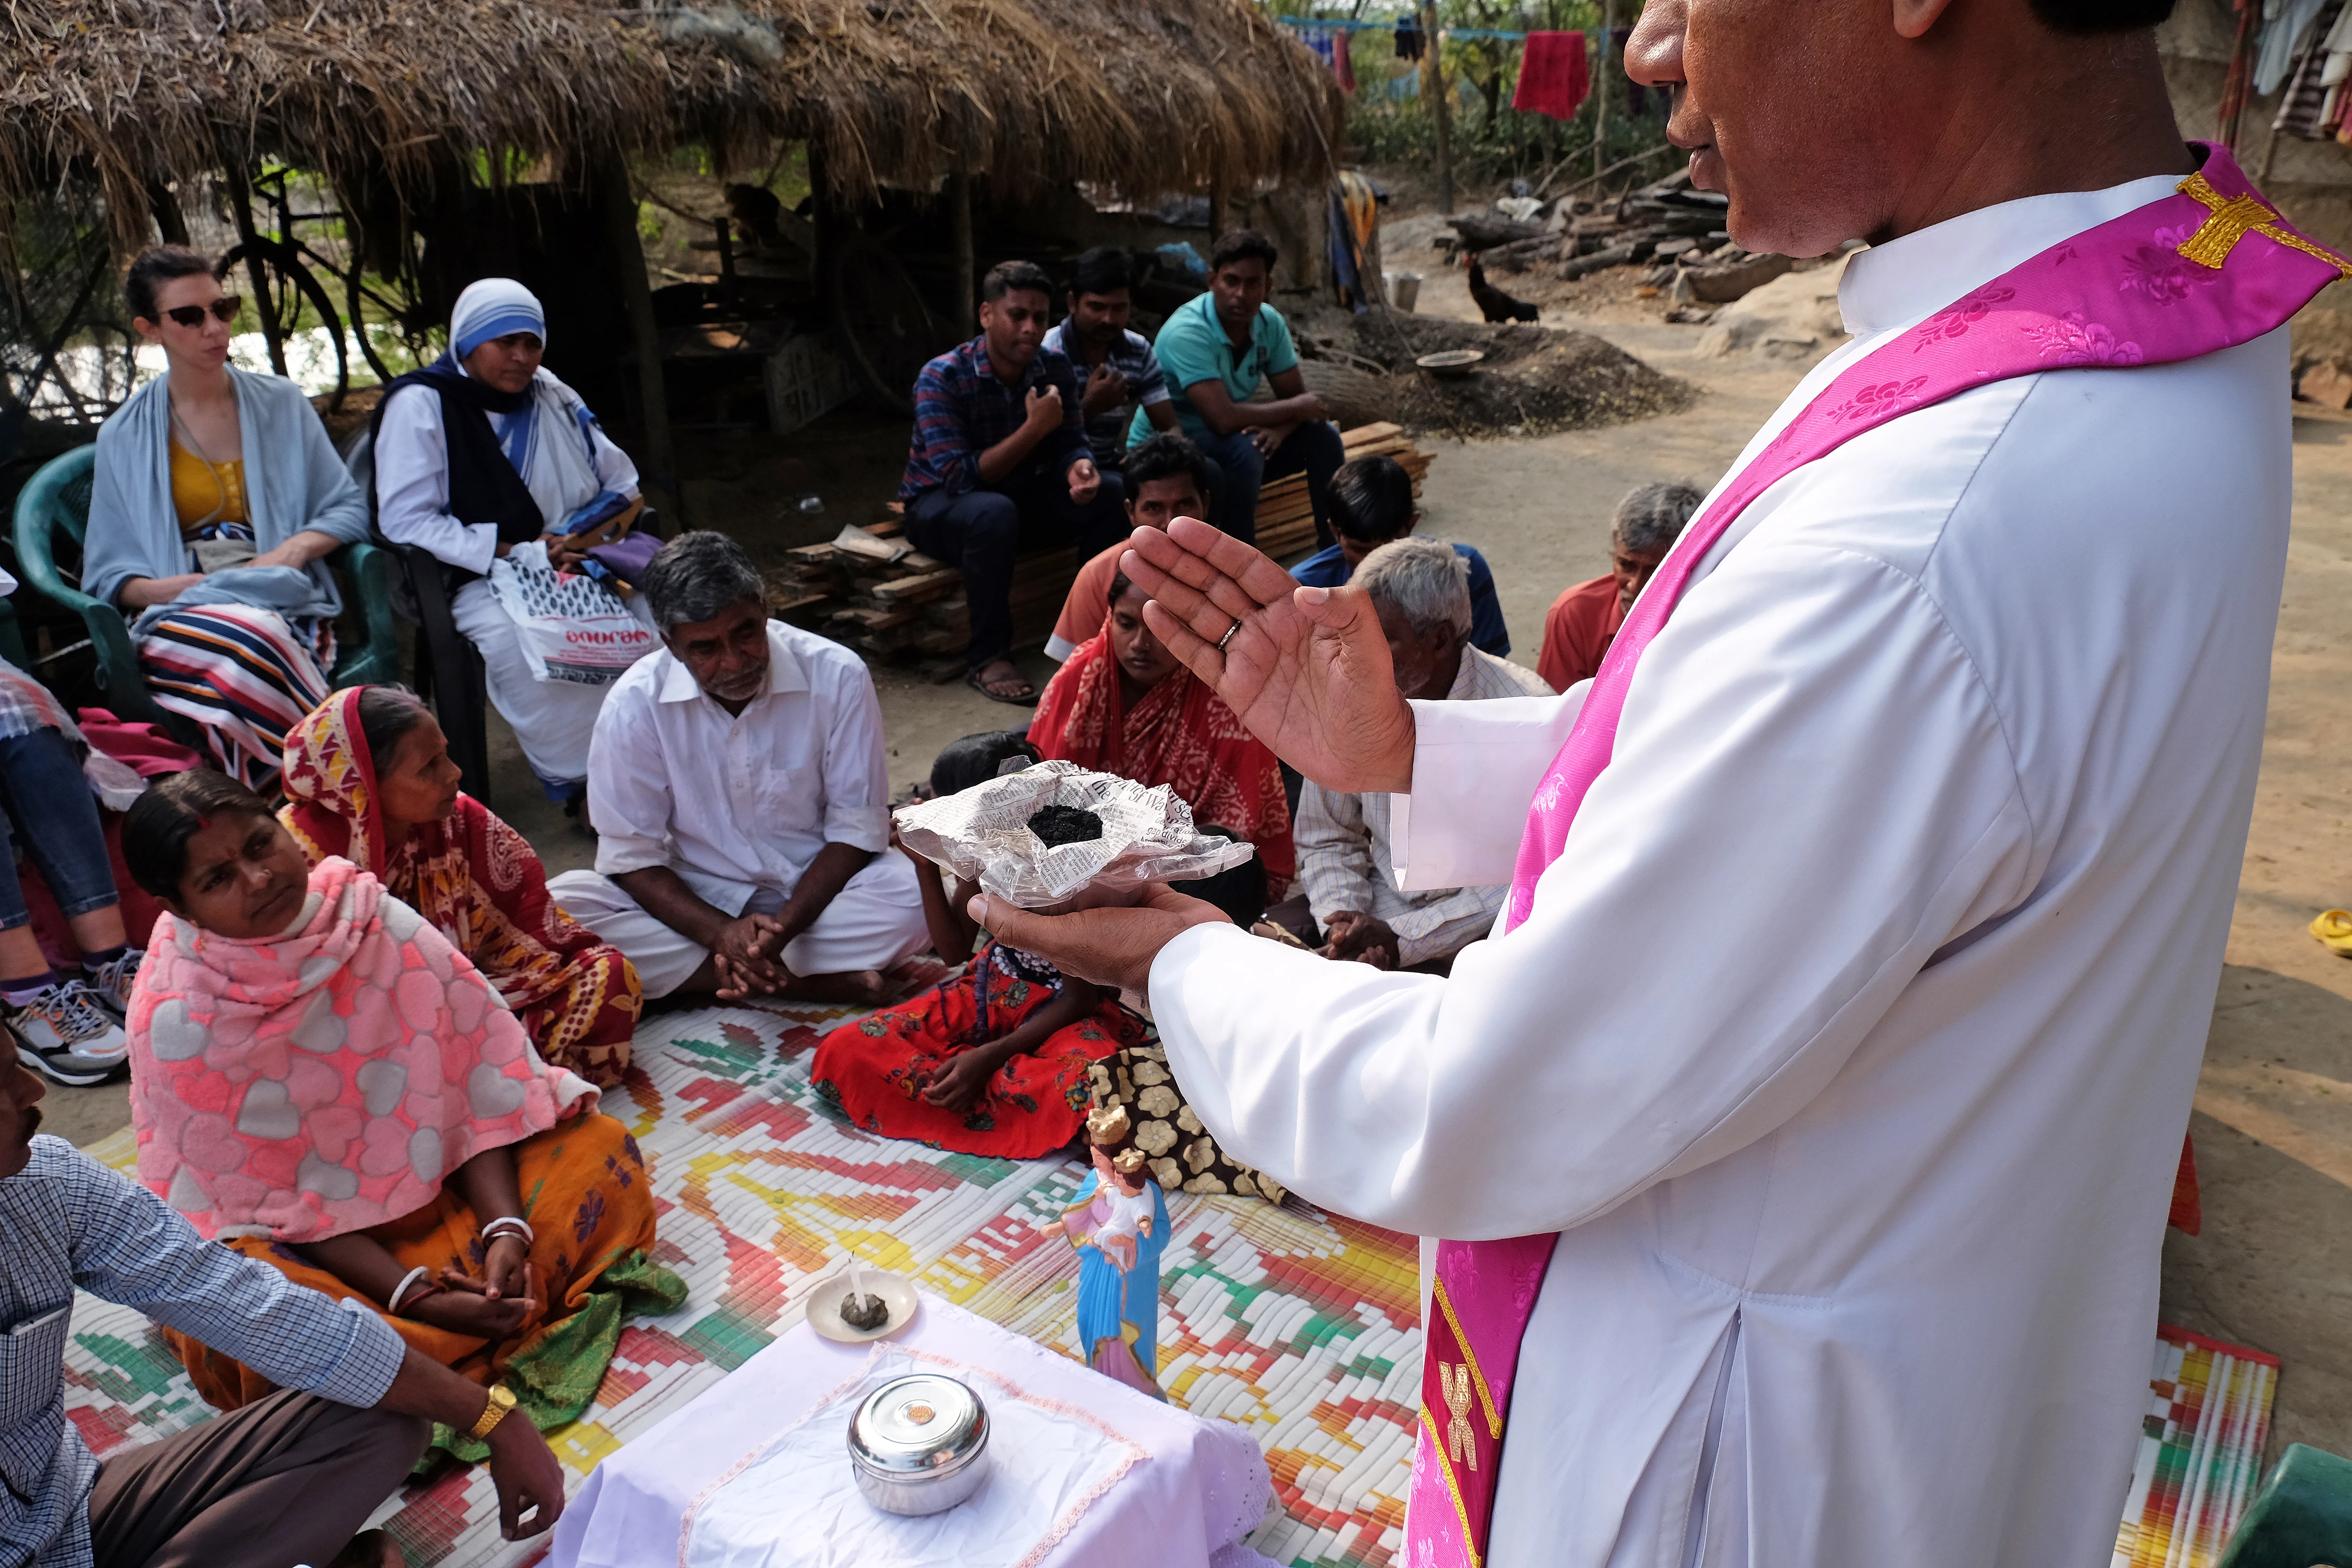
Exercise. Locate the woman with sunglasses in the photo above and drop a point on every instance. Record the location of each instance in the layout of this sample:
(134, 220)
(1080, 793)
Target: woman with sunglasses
(216, 499)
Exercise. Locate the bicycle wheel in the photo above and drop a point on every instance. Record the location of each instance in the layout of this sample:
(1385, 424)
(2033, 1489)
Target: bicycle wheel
(301, 277)
(287, 285)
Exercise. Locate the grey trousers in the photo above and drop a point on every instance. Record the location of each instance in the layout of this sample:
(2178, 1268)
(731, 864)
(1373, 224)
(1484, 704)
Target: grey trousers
(286, 1480)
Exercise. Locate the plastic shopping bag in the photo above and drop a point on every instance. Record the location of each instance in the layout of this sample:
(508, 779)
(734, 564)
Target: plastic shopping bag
(572, 628)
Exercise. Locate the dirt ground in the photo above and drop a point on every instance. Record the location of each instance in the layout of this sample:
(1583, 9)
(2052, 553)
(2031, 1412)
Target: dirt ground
(2273, 1123)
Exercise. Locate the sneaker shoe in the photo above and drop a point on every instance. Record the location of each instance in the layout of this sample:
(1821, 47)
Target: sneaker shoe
(67, 1036)
(111, 983)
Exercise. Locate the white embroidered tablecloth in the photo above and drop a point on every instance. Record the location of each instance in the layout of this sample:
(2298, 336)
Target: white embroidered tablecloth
(1086, 1470)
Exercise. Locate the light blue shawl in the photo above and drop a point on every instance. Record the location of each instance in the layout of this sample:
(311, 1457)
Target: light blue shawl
(293, 480)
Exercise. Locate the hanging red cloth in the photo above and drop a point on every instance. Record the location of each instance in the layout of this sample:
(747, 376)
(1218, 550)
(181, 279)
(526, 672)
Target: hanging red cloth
(1554, 76)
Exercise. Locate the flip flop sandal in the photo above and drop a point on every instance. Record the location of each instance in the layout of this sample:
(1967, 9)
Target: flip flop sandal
(2333, 927)
(972, 678)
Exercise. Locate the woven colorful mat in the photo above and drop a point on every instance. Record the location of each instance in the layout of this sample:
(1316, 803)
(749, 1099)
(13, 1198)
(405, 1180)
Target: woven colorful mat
(1299, 1325)
(2200, 1452)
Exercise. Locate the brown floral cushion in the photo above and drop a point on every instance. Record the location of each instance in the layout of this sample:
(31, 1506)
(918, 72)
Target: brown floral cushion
(1184, 1156)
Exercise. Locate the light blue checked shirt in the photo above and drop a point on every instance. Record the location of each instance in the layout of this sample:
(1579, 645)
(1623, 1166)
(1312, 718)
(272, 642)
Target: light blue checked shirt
(66, 1221)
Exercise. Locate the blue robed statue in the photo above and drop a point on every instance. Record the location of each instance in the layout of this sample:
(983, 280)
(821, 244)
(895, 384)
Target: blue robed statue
(1119, 1222)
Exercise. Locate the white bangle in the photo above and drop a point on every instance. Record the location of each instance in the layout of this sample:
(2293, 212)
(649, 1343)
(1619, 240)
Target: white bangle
(392, 1304)
(513, 1223)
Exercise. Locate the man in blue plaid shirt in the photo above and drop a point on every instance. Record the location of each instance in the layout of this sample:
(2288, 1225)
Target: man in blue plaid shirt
(285, 1480)
(999, 462)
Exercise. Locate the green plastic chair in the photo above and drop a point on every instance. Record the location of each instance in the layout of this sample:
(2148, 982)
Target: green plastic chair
(58, 501)
(2301, 1518)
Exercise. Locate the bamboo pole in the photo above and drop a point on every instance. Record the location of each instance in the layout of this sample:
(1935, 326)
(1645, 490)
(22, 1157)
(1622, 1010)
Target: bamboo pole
(637, 294)
(1433, 87)
(1601, 84)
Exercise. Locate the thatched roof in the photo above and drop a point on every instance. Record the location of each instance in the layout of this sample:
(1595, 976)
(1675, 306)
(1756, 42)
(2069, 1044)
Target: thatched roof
(1150, 96)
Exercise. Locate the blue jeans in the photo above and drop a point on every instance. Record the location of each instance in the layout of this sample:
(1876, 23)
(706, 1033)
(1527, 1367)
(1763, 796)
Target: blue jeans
(48, 806)
(983, 531)
(1313, 449)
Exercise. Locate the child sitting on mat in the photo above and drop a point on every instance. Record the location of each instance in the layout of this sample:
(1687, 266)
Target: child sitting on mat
(992, 1060)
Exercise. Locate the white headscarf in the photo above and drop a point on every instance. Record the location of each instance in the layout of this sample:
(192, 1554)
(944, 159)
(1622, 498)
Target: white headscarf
(491, 308)
(546, 439)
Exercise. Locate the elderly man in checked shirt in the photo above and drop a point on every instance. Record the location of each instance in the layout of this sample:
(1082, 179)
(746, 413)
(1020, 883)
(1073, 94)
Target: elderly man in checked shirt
(1421, 589)
(287, 1479)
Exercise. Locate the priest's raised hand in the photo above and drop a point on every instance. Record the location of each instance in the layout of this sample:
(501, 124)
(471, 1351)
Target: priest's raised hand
(1307, 670)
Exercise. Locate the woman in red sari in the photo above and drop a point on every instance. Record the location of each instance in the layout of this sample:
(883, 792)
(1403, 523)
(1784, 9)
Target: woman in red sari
(1125, 705)
(368, 777)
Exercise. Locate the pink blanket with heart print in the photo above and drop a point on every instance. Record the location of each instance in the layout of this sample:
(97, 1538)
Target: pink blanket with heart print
(328, 1079)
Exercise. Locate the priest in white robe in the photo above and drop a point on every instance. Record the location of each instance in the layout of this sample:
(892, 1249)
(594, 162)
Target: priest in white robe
(1850, 1039)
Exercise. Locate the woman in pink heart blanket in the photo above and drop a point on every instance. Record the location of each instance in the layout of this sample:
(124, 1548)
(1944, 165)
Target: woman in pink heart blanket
(321, 1081)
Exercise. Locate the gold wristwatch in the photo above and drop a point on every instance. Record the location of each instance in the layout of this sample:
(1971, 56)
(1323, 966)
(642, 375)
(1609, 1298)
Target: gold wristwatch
(502, 1400)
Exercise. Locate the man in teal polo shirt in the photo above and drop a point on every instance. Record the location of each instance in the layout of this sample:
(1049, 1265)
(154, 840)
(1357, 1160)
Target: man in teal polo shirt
(1215, 348)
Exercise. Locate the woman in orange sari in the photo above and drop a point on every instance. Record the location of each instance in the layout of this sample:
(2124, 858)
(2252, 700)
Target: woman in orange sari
(1125, 705)
(368, 777)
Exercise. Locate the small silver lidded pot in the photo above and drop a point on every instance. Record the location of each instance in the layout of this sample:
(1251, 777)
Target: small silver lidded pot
(919, 1443)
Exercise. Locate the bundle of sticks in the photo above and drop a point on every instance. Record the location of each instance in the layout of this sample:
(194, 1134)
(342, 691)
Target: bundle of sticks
(1664, 222)
(871, 590)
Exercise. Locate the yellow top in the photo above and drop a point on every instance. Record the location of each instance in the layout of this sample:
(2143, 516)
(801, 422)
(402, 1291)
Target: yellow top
(205, 493)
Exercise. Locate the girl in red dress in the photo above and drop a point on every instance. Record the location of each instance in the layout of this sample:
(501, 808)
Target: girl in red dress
(992, 1060)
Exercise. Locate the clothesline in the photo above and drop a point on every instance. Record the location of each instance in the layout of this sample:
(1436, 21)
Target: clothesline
(1557, 69)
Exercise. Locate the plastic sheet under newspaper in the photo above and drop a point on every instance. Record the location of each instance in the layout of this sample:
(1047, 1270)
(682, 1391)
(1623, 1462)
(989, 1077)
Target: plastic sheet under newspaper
(982, 833)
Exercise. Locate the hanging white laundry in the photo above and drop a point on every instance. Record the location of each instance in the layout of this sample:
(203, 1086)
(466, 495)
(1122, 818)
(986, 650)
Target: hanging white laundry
(2275, 51)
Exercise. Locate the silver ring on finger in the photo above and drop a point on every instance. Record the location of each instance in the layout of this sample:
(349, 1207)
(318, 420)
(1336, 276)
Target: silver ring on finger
(1228, 636)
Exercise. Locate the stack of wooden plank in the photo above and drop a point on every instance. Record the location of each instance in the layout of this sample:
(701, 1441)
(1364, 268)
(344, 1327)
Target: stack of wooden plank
(870, 590)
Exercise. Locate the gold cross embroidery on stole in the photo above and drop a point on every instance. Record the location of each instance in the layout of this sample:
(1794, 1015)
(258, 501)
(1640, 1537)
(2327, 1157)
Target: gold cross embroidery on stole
(1461, 1437)
(2229, 220)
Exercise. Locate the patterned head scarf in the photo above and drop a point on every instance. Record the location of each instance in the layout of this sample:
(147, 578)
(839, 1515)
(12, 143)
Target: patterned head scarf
(476, 881)
(330, 785)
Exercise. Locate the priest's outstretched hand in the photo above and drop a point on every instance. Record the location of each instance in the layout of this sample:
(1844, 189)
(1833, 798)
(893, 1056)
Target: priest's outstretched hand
(1110, 945)
(1307, 670)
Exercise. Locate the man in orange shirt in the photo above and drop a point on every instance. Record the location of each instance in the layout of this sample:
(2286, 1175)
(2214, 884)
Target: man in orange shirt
(1166, 478)
(1583, 621)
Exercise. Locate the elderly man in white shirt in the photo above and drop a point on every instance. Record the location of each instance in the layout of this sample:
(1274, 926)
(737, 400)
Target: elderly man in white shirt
(741, 801)
(1804, 1138)
(1420, 590)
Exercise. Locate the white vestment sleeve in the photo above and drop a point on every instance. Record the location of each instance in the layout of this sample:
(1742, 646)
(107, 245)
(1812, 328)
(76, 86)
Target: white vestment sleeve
(412, 484)
(1812, 793)
(1467, 757)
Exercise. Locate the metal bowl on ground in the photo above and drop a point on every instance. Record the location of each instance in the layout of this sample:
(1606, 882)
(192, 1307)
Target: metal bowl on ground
(1451, 361)
(919, 1445)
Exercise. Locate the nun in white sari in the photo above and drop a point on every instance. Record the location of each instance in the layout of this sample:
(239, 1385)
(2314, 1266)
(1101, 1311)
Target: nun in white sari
(484, 450)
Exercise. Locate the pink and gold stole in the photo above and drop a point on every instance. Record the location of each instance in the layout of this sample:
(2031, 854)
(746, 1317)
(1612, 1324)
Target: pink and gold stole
(2209, 267)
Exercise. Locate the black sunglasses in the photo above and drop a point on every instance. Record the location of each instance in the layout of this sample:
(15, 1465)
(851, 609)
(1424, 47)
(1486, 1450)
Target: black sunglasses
(223, 309)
